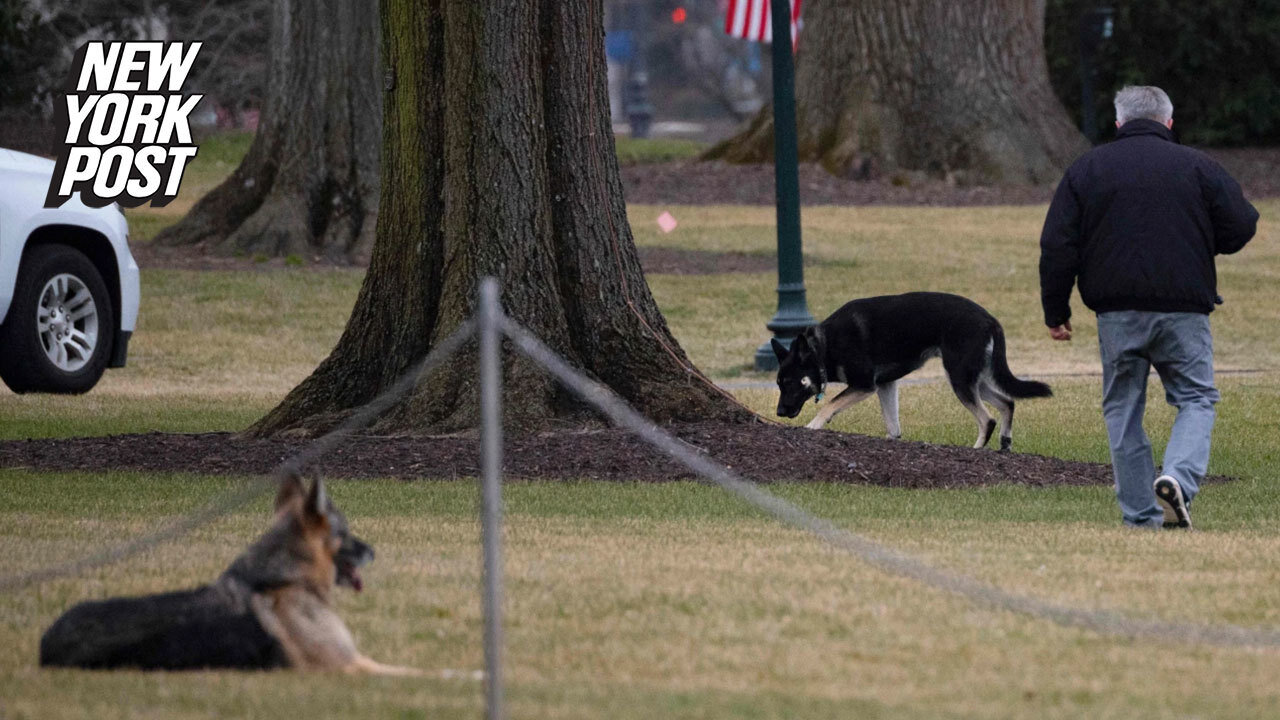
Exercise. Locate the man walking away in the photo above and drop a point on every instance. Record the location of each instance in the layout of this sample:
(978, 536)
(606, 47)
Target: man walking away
(1138, 222)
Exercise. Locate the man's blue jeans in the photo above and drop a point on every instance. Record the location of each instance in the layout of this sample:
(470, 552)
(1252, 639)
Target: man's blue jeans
(1181, 349)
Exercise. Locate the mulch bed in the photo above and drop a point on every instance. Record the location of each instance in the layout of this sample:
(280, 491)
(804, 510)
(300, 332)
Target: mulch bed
(719, 183)
(759, 451)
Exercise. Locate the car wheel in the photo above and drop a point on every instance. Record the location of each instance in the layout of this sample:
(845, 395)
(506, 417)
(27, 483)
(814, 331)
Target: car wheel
(58, 334)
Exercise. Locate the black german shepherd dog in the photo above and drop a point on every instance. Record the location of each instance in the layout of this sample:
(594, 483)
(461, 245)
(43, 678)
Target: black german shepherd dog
(871, 343)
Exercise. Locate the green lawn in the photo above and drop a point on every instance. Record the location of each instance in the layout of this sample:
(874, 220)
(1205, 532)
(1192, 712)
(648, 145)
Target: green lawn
(637, 151)
(674, 600)
(630, 600)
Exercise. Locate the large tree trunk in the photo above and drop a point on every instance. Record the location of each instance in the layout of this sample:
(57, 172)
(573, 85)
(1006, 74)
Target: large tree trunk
(498, 159)
(959, 89)
(309, 183)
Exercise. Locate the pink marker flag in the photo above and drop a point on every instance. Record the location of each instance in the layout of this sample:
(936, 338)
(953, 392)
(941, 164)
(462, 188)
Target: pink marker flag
(667, 222)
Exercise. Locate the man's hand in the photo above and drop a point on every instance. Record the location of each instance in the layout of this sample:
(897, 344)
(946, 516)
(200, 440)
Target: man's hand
(1062, 332)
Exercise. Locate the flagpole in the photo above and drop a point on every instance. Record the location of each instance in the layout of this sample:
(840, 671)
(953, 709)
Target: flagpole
(793, 310)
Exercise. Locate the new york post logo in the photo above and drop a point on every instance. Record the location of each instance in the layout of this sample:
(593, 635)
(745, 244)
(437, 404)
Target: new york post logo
(125, 124)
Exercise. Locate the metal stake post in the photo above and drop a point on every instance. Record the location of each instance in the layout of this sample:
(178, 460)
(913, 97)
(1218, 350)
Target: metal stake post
(491, 492)
(793, 312)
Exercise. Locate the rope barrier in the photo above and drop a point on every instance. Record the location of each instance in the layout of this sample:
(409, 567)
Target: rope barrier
(878, 555)
(1104, 622)
(232, 500)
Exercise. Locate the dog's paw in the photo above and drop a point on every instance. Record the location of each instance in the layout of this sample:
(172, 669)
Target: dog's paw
(815, 424)
(1005, 444)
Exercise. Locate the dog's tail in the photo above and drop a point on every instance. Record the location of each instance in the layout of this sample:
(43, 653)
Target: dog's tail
(1004, 376)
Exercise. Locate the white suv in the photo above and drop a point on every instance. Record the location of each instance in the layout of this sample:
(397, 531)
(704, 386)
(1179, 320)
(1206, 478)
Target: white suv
(68, 284)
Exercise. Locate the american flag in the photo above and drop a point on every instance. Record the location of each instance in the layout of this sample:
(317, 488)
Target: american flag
(751, 19)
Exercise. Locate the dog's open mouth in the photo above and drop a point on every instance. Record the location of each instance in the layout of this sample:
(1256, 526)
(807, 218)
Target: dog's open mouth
(348, 575)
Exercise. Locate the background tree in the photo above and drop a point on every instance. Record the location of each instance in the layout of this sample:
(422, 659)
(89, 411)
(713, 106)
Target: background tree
(309, 183)
(498, 159)
(39, 39)
(952, 88)
(1217, 59)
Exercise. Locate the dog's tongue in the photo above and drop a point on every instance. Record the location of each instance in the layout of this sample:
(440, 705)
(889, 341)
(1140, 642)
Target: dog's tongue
(357, 583)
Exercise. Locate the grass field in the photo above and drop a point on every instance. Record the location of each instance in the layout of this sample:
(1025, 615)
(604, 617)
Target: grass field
(629, 600)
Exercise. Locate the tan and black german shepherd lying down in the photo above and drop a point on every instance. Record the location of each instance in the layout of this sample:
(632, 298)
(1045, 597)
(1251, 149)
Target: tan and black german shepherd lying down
(270, 609)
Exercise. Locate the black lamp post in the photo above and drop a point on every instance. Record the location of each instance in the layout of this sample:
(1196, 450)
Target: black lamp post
(793, 311)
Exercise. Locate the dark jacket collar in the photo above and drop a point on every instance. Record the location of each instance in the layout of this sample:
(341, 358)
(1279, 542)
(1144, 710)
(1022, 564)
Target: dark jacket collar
(1142, 126)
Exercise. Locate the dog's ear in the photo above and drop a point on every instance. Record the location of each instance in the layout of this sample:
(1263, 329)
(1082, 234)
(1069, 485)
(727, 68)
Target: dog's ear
(317, 504)
(801, 346)
(290, 489)
(778, 349)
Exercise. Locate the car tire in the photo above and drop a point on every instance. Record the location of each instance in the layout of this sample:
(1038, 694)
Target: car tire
(58, 334)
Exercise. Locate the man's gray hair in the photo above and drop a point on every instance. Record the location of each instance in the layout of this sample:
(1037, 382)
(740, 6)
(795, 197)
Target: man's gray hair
(1143, 101)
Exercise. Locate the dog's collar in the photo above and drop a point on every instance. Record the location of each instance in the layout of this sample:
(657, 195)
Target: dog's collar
(820, 349)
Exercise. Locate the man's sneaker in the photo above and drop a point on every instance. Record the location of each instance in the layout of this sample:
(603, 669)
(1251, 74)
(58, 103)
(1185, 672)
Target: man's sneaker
(1169, 493)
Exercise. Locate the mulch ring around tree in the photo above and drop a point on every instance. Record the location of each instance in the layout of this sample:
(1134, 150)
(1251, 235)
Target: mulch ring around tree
(689, 182)
(758, 451)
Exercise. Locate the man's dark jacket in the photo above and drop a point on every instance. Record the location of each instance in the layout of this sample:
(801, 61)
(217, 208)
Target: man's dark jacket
(1139, 221)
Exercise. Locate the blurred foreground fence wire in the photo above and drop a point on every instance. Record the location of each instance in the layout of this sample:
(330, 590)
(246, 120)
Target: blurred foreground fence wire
(236, 498)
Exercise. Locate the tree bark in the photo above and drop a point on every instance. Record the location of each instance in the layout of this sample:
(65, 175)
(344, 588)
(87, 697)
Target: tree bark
(309, 183)
(498, 160)
(957, 89)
